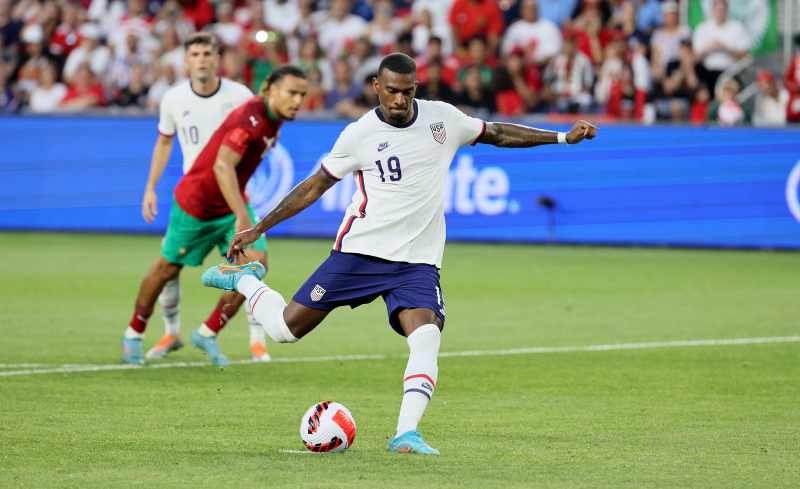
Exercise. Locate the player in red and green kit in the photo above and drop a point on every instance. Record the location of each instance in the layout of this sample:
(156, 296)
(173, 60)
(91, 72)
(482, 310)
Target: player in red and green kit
(210, 206)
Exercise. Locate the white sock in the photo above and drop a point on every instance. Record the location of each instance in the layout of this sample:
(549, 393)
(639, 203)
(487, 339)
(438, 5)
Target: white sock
(257, 333)
(170, 310)
(419, 380)
(267, 306)
(206, 331)
(130, 333)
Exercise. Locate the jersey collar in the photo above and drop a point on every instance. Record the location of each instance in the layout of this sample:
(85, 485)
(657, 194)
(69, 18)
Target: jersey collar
(402, 126)
(219, 85)
(269, 112)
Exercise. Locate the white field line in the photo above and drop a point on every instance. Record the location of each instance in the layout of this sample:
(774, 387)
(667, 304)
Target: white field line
(67, 368)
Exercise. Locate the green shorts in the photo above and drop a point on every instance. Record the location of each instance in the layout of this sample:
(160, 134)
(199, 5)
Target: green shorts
(189, 240)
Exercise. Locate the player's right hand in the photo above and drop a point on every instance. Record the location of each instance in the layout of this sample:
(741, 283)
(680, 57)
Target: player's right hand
(149, 205)
(240, 241)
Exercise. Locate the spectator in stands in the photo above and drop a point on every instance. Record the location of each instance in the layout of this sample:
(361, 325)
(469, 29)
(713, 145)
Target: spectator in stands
(173, 51)
(136, 21)
(227, 31)
(478, 56)
(609, 77)
(449, 64)
(135, 94)
(84, 91)
(719, 42)
(568, 79)
(167, 80)
(384, 28)
(404, 45)
(426, 29)
(434, 87)
(312, 59)
(591, 36)
(680, 82)
(200, 12)
(698, 112)
(28, 72)
(363, 60)
(307, 24)
(665, 43)
(476, 98)
(558, 12)
(10, 28)
(125, 56)
(340, 29)
(343, 88)
(282, 15)
(470, 18)
(89, 51)
(791, 81)
(602, 7)
(9, 100)
(726, 110)
(67, 36)
(518, 85)
(649, 15)
(629, 26)
(315, 97)
(171, 14)
(365, 101)
(772, 102)
(49, 92)
(539, 39)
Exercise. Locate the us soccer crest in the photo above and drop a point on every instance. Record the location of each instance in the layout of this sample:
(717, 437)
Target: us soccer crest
(438, 132)
(317, 293)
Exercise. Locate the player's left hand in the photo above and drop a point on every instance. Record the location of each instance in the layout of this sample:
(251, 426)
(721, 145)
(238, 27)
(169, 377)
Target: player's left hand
(240, 241)
(580, 131)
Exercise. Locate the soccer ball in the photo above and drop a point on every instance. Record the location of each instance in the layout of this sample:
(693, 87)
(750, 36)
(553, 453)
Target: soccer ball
(328, 427)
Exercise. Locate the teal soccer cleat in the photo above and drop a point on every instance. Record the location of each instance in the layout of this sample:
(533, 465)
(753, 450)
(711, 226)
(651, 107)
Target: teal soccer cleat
(411, 442)
(132, 351)
(208, 345)
(226, 277)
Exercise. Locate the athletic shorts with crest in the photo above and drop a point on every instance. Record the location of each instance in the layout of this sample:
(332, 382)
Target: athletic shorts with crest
(189, 240)
(349, 279)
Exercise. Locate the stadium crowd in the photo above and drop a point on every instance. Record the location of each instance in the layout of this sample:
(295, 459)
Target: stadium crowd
(627, 59)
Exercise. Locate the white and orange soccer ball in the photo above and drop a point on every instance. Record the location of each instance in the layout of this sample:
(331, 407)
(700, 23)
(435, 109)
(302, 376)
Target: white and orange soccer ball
(328, 427)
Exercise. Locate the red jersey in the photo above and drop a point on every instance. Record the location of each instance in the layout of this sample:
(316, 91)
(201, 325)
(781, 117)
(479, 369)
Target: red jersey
(250, 132)
(476, 18)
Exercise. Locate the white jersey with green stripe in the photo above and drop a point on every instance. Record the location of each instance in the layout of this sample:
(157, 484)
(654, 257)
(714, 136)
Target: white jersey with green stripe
(397, 212)
(195, 117)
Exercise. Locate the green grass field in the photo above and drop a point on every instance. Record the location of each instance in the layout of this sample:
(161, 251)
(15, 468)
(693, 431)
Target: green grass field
(681, 416)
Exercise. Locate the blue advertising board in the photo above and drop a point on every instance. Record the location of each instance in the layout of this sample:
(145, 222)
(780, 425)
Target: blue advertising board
(675, 186)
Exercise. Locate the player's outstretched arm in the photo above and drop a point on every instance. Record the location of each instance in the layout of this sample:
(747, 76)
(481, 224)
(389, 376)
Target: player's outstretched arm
(507, 135)
(161, 152)
(303, 195)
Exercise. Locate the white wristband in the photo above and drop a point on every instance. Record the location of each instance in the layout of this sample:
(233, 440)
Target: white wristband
(562, 138)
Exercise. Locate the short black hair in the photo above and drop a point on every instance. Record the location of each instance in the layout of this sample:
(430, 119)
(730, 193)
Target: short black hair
(278, 74)
(399, 63)
(202, 38)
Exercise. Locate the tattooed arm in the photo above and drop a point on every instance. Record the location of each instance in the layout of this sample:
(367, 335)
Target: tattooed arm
(303, 195)
(506, 135)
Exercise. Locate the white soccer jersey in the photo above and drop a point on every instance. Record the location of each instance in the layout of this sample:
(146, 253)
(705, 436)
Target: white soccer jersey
(196, 117)
(397, 211)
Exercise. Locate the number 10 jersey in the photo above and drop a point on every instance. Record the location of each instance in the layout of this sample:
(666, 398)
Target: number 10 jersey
(397, 212)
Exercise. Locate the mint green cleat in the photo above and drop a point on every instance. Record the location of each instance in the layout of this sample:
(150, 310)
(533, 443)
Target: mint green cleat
(411, 442)
(226, 277)
(208, 345)
(132, 351)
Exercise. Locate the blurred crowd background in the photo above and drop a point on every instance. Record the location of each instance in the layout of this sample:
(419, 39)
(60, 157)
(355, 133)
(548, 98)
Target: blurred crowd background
(616, 59)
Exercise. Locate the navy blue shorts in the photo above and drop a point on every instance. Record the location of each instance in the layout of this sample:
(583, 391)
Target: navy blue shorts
(348, 279)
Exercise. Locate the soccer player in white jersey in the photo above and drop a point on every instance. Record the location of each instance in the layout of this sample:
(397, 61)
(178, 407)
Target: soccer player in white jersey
(193, 110)
(391, 241)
